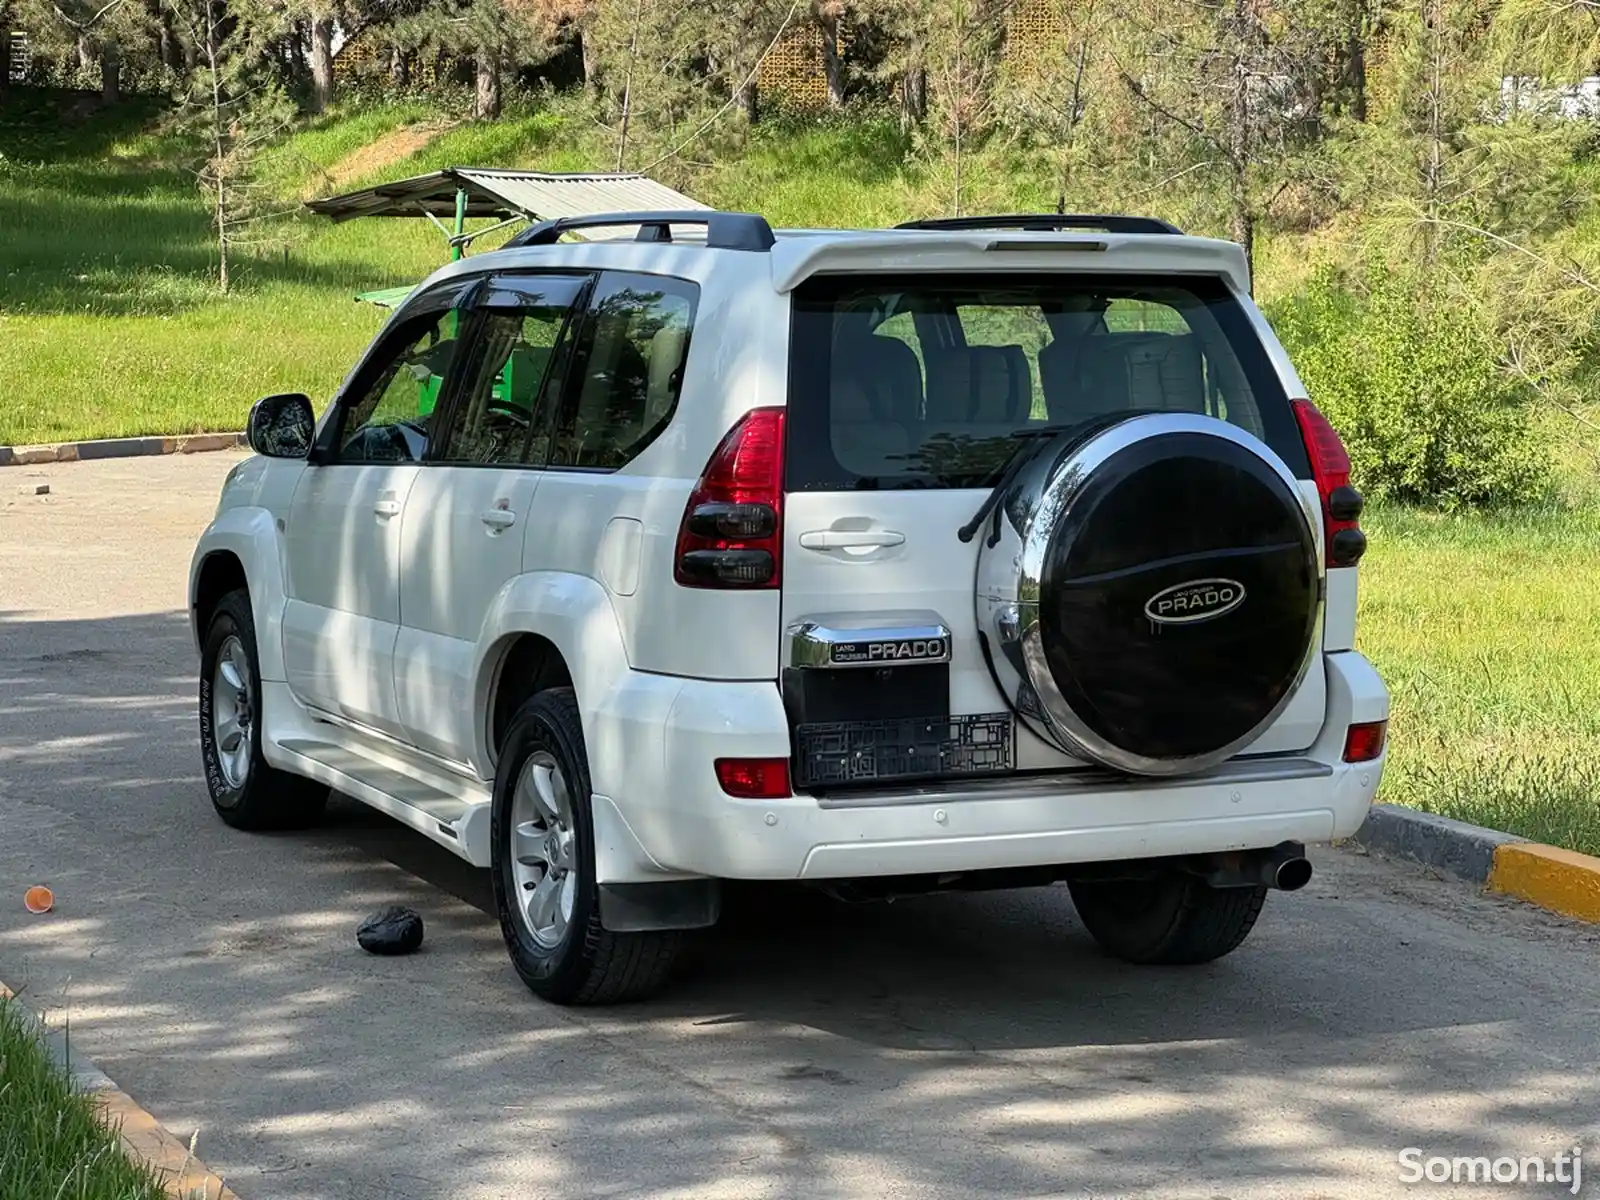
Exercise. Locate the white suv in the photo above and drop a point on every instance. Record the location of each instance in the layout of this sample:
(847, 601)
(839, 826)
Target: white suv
(981, 553)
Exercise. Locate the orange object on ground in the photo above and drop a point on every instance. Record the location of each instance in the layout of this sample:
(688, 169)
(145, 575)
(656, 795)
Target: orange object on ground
(38, 900)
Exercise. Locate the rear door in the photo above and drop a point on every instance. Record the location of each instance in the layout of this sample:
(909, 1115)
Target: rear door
(462, 532)
(905, 392)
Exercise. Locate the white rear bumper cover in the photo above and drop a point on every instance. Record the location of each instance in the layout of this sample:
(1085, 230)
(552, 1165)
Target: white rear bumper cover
(656, 819)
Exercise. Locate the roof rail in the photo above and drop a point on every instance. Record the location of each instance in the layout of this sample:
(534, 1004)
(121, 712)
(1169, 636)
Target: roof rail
(1047, 223)
(724, 230)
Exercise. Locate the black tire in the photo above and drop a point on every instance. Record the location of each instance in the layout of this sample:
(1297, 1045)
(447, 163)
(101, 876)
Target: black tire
(589, 964)
(1174, 920)
(265, 797)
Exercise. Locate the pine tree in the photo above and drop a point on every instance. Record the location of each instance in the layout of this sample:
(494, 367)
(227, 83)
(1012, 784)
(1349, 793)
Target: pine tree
(233, 108)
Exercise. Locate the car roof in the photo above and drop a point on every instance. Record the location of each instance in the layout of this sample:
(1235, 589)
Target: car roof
(799, 253)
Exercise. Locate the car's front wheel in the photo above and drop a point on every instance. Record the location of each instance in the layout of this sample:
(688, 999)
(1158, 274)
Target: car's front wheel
(543, 871)
(1172, 920)
(246, 790)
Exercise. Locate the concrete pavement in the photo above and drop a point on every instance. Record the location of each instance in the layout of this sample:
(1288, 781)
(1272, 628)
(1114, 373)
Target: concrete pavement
(960, 1046)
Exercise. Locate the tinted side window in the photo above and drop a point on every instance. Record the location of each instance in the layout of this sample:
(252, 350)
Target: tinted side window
(501, 411)
(628, 371)
(388, 418)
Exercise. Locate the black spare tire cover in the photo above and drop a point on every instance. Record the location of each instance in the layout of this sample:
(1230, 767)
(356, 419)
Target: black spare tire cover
(1151, 592)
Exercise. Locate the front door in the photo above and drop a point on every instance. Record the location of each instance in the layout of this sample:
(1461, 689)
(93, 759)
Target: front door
(461, 535)
(342, 534)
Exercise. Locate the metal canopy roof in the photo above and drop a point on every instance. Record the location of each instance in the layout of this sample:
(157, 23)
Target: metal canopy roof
(503, 195)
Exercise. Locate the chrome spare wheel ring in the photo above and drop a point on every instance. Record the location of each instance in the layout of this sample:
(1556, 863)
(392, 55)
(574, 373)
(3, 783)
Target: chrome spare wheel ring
(544, 850)
(232, 712)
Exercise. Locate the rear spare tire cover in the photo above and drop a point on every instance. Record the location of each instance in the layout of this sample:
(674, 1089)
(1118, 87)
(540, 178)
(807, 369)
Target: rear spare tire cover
(1150, 592)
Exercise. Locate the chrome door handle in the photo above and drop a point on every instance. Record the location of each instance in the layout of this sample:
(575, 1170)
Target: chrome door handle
(387, 508)
(850, 539)
(498, 518)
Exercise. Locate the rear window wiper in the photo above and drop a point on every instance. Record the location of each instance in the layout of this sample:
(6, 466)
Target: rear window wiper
(1029, 440)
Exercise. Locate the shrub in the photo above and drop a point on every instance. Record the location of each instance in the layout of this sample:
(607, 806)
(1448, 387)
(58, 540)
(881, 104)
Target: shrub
(1415, 386)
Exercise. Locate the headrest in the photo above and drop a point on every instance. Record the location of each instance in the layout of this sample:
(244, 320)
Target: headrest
(875, 378)
(980, 385)
(1114, 372)
(666, 356)
(1165, 372)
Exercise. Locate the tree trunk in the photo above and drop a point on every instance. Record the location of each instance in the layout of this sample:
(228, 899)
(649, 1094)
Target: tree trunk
(627, 85)
(86, 53)
(913, 96)
(399, 68)
(591, 62)
(167, 42)
(832, 60)
(110, 75)
(321, 63)
(747, 97)
(5, 47)
(486, 106)
(1243, 230)
(1433, 165)
(1356, 74)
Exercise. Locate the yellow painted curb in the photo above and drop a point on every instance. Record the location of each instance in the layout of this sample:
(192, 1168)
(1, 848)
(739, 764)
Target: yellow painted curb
(1563, 881)
(183, 1176)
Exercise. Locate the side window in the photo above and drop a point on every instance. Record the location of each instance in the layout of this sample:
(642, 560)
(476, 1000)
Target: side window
(628, 371)
(388, 419)
(500, 414)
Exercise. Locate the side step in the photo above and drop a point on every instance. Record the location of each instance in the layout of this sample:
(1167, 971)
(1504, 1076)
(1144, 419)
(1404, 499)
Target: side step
(451, 810)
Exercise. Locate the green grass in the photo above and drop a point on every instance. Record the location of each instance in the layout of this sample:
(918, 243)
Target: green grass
(52, 1144)
(1486, 633)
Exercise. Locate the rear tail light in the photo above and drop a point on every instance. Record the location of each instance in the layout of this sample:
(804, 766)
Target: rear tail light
(732, 530)
(1341, 503)
(1363, 743)
(754, 778)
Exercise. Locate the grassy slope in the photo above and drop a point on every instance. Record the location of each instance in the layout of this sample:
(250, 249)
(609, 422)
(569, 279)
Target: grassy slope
(52, 1145)
(101, 224)
(108, 326)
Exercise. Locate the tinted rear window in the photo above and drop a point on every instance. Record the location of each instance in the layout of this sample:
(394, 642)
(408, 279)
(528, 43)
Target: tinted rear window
(923, 381)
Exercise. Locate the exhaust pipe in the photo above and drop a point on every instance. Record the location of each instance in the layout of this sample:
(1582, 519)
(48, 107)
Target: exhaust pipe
(1284, 867)
(1292, 874)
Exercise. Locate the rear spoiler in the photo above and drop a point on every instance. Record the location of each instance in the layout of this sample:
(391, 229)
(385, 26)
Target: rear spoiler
(797, 258)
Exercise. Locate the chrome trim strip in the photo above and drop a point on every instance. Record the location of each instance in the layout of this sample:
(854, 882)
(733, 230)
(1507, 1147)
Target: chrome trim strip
(1072, 783)
(846, 641)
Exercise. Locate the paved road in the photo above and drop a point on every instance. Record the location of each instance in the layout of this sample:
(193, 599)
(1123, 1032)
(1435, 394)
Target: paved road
(945, 1047)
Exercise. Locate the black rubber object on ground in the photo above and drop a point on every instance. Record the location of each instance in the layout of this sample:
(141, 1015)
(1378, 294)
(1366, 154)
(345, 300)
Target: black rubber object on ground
(395, 930)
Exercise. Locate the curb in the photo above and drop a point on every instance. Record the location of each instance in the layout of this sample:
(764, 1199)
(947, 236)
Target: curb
(182, 1175)
(1562, 881)
(136, 447)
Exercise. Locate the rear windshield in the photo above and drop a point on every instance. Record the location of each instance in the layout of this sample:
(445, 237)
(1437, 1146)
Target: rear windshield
(923, 381)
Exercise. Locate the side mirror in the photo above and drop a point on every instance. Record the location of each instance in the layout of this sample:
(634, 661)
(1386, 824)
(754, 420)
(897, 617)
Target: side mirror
(282, 426)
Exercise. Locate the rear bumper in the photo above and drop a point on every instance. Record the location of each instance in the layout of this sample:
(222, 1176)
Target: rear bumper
(660, 812)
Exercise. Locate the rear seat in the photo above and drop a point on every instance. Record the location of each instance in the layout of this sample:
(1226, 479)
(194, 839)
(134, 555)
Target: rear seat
(1105, 373)
(877, 392)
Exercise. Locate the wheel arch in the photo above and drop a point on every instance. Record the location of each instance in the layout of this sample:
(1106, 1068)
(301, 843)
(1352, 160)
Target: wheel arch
(241, 548)
(220, 572)
(525, 665)
(547, 629)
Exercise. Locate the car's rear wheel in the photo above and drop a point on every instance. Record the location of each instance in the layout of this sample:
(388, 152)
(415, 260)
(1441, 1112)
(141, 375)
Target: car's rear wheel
(246, 790)
(543, 872)
(1173, 920)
